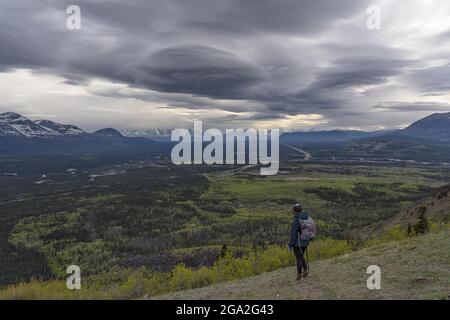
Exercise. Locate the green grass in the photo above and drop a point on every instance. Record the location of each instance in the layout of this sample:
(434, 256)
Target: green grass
(271, 189)
(416, 268)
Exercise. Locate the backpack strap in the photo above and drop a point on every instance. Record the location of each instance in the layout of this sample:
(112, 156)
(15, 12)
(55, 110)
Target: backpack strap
(299, 232)
(299, 227)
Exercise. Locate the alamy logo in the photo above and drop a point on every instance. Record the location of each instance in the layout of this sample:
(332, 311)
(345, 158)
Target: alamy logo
(74, 280)
(373, 21)
(374, 280)
(73, 21)
(251, 140)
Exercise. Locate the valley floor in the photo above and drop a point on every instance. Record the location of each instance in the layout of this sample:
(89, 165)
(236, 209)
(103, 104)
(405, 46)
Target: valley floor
(417, 268)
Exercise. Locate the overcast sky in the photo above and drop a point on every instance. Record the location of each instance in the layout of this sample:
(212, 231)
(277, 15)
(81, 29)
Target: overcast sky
(299, 64)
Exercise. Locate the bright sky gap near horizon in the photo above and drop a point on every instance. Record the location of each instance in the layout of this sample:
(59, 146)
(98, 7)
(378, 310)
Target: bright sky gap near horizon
(293, 64)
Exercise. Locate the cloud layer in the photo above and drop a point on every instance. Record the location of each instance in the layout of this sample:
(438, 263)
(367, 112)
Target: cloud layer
(233, 63)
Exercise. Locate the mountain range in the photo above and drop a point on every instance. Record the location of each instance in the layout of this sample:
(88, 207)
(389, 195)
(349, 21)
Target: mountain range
(20, 135)
(15, 125)
(152, 133)
(425, 140)
(435, 127)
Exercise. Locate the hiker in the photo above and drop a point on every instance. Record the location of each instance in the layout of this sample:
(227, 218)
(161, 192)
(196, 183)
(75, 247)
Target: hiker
(303, 231)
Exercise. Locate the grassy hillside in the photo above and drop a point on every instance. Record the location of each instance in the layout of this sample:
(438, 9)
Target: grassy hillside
(436, 207)
(417, 268)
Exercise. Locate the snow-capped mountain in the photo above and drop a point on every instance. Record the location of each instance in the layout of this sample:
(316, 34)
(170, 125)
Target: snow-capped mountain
(6, 130)
(154, 133)
(14, 124)
(22, 136)
(157, 134)
(59, 128)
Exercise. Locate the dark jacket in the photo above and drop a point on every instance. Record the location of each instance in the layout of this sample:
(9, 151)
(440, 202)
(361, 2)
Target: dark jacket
(295, 229)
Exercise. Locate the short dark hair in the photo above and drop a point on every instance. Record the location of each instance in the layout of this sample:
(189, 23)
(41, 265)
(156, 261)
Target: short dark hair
(297, 208)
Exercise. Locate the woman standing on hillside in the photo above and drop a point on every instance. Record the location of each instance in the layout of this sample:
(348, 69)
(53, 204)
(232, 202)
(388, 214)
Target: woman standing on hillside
(302, 232)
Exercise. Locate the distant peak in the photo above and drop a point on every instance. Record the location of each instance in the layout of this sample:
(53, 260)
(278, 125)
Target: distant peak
(108, 132)
(436, 127)
(43, 121)
(65, 129)
(440, 115)
(11, 116)
(10, 113)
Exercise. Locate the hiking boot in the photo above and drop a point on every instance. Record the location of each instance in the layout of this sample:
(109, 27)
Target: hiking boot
(299, 276)
(305, 273)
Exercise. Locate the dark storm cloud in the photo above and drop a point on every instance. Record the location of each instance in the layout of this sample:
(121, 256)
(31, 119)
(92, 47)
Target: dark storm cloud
(119, 34)
(199, 70)
(357, 71)
(22, 43)
(328, 91)
(274, 58)
(283, 16)
(218, 16)
(125, 42)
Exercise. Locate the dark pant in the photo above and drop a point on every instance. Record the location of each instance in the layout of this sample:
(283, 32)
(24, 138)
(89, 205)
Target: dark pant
(301, 262)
